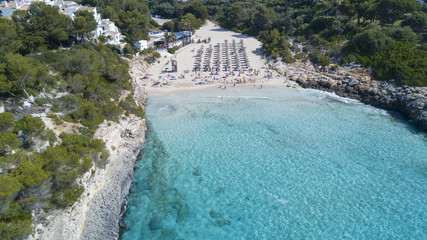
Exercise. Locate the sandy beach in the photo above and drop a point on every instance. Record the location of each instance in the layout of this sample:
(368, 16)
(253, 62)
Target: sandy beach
(158, 78)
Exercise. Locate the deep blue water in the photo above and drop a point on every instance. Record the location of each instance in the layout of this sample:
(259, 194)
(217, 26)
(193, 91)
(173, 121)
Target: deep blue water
(278, 164)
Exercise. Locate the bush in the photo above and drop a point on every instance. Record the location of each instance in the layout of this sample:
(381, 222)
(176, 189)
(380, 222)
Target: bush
(31, 126)
(324, 61)
(404, 62)
(148, 60)
(57, 120)
(173, 50)
(8, 142)
(10, 187)
(169, 26)
(111, 111)
(370, 42)
(300, 56)
(41, 101)
(29, 174)
(7, 121)
(67, 196)
(129, 49)
(130, 106)
(416, 21)
(147, 51)
(18, 229)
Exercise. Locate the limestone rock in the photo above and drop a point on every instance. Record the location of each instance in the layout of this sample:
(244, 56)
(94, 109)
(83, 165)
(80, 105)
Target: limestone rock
(97, 213)
(353, 82)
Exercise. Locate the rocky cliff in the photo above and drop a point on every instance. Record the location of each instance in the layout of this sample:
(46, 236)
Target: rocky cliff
(97, 213)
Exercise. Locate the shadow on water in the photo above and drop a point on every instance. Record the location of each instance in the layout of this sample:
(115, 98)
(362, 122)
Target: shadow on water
(155, 181)
(407, 123)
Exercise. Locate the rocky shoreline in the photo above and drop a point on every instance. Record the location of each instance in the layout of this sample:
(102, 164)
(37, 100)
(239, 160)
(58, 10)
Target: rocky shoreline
(355, 82)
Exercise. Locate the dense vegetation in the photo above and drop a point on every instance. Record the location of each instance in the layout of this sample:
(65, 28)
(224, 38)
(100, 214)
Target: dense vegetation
(46, 61)
(383, 34)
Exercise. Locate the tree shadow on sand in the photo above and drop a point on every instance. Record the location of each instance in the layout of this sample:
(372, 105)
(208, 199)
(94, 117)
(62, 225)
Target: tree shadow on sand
(240, 36)
(218, 30)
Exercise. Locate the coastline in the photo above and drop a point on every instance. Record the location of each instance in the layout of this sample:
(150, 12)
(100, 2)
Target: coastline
(351, 81)
(97, 213)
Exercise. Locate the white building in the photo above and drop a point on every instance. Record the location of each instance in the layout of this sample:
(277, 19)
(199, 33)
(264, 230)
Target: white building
(141, 45)
(108, 29)
(105, 26)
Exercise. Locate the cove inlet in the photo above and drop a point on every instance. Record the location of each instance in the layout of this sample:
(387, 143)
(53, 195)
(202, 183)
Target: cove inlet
(248, 163)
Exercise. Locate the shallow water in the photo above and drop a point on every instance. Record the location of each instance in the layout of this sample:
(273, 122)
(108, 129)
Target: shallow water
(278, 164)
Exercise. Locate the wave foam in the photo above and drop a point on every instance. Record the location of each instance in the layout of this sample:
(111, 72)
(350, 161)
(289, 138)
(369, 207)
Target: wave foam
(322, 95)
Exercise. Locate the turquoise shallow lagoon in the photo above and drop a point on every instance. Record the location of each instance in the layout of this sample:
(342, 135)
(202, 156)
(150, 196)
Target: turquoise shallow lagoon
(278, 164)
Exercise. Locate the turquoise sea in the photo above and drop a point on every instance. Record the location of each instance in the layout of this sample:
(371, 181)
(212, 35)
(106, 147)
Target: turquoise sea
(278, 164)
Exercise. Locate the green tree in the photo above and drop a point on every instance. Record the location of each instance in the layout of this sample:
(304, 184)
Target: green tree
(13, 160)
(370, 42)
(64, 197)
(197, 9)
(416, 21)
(10, 187)
(7, 120)
(264, 17)
(84, 24)
(134, 25)
(403, 61)
(9, 41)
(118, 73)
(363, 8)
(236, 15)
(110, 12)
(8, 142)
(45, 22)
(84, 62)
(404, 34)
(169, 26)
(169, 37)
(18, 229)
(24, 76)
(30, 126)
(390, 11)
(29, 174)
(189, 22)
(323, 6)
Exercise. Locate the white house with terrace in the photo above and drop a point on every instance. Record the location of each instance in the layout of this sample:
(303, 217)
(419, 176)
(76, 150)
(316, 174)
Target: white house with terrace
(105, 27)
